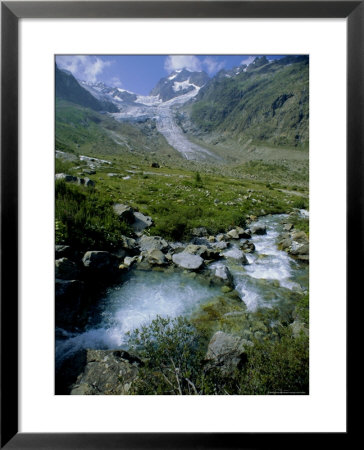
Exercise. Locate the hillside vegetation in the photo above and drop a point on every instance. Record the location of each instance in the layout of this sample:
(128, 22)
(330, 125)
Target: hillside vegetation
(266, 104)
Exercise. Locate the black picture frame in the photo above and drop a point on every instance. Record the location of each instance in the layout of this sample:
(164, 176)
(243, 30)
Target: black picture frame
(11, 12)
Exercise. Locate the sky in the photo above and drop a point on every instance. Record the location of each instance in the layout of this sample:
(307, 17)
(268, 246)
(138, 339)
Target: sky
(140, 73)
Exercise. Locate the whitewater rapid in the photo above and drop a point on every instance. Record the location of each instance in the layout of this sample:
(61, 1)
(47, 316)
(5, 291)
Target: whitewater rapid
(268, 280)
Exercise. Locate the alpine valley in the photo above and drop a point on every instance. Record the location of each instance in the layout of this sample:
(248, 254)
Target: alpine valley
(182, 232)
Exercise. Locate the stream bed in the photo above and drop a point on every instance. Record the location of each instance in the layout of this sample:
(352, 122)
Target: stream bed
(271, 279)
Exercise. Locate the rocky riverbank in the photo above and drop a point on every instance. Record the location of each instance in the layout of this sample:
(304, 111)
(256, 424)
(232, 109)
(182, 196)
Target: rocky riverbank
(81, 276)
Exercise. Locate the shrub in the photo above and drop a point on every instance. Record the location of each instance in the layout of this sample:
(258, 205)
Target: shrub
(172, 351)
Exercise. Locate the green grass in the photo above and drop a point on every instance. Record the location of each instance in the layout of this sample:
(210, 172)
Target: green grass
(85, 219)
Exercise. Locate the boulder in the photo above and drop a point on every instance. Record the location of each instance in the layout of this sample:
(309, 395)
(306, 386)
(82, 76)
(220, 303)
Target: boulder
(129, 261)
(223, 273)
(148, 243)
(226, 353)
(288, 227)
(203, 251)
(221, 245)
(155, 257)
(258, 229)
(141, 222)
(66, 269)
(245, 234)
(107, 372)
(232, 234)
(128, 244)
(69, 298)
(89, 183)
(237, 255)
(124, 212)
(247, 247)
(66, 177)
(62, 251)
(187, 260)
(99, 260)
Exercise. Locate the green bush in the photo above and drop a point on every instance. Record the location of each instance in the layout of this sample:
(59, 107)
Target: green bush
(174, 354)
(172, 351)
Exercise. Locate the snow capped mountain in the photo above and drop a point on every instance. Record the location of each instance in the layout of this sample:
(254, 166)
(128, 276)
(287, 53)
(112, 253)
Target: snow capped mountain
(178, 83)
(113, 94)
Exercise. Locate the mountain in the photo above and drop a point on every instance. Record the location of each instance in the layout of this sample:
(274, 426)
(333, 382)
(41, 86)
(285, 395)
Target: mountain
(266, 103)
(68, 88)
(179, 82)
(107, 93)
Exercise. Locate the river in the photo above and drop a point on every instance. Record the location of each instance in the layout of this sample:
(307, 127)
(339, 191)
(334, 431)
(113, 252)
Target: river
(269, 280)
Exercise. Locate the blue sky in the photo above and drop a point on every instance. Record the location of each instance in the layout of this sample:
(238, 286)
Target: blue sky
(140, 73)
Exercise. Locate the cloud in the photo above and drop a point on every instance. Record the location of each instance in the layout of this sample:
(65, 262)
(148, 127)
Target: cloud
(248, 61)
(83, 67)
(175, 62)
(212, 65)
(115, 81)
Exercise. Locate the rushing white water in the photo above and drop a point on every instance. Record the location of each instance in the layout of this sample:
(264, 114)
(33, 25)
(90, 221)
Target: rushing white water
(143, 297)
(268, 280)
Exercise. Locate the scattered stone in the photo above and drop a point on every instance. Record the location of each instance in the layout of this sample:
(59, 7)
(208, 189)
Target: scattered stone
(69, 297)
(141, 222)
(233, 234)
(99, 260)
(247, 247)
(62, 251)
(125, 212)
(148, 243)
(226, 353)
(237, 255)
(187, 260)
(258, 229)
(65, 177)
(288, 227)
(155, 165)
(66, 269)
(156, 257)
(130, 260)
(128, 243)
(107, 372)
(222, 245)
(223, 273)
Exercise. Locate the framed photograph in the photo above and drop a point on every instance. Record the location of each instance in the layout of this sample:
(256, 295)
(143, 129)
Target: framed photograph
(174, 177)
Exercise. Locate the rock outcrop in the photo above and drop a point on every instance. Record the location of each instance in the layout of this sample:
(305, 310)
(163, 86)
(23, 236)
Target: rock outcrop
(107, 372)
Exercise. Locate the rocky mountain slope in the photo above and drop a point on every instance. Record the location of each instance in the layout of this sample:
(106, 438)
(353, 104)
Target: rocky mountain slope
(266, 102)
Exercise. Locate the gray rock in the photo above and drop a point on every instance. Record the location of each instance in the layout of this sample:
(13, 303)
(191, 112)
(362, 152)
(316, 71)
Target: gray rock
(62, 251)
(233, 234)
(147, 243)
(243, 234)
(258, 229)
(223, 273)
(156, 257)
(129, 261)
(66, 177)
(89, 183)
(288, 227)
(107, 372)
(221, 245)
(247, 247)
(237, 255)
(226, 353)
(66, 269)
(99, 260)
(69, 297)
(128, 243)
(187, 260)
(124, 212)
(141, 222)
